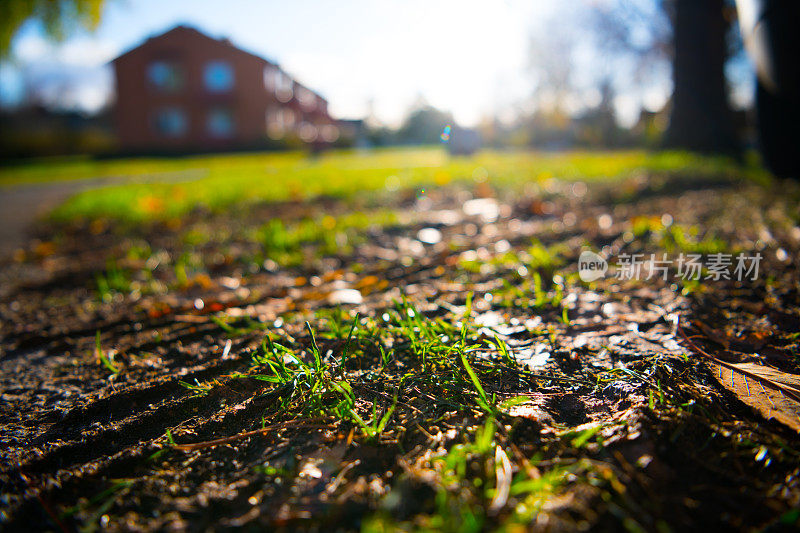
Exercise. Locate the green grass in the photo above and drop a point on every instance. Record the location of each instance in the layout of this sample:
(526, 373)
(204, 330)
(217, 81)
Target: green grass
(112, 281)
(383, 376)
(138, 268)
(107, 359)
(283, 242)
(681, 239)
(316, 382)
(174, 187)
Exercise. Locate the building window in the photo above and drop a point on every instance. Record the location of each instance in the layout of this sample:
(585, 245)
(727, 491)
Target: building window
(289, 118)
(274, 124)
(307, 99)
(329, 133)
(218, 76)
(165, 76)
(219, 123)
(279, 122)
(307, 132)
(271, 75)
(284, 87)
(171, 122)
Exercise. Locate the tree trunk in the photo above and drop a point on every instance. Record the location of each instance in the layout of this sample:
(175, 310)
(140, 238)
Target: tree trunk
(701, 118)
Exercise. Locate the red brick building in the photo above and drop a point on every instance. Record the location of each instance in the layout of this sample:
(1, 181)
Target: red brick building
(186, 91)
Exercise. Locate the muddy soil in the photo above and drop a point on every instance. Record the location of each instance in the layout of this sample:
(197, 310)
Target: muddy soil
(646, 435)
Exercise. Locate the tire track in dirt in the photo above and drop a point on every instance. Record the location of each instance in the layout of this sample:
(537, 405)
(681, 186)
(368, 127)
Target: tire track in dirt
(69, 428)
(115, 456)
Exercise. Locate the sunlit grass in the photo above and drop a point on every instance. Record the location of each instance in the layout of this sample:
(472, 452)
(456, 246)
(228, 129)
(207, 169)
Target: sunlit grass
(169, 188)
(283, 243)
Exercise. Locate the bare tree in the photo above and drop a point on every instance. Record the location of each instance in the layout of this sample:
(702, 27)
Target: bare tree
(701, 118)
(694, 37)
(550, 64)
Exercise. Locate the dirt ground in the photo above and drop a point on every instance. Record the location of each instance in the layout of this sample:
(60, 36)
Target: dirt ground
(111, 402)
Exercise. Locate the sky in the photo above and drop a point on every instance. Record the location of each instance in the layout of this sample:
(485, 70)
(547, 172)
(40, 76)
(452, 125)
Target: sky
(367, 57)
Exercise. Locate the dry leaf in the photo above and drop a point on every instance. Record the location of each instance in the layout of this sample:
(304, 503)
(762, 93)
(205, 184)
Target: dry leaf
(772, 392)
(775, 394)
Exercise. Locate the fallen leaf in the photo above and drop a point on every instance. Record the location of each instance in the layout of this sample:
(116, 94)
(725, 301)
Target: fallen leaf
(772, 392)
(775, 394)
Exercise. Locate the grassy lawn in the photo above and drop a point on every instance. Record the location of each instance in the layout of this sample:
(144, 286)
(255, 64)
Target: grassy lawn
(176, 186)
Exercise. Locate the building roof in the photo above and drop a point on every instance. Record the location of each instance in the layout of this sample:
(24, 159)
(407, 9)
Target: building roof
(188, 30)
(195, 33)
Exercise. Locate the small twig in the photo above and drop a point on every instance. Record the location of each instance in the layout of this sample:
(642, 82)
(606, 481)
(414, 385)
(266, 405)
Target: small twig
(246, 434)
(692, 345)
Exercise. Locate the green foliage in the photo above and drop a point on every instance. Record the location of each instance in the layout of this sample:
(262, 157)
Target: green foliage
(199, 389)
(114, 280)
(466, 481)
(423, 125)
(284, 242)
(103, 357)
(676, 238)
(310, 387)
(537, 257)
(98, 505)
(483, 399)
(375, 426)
(58, 17)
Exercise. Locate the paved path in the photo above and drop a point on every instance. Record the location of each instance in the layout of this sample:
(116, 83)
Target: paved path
(22, 205)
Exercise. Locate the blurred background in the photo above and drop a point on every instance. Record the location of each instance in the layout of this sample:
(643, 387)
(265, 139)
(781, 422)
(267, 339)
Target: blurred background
(121, 77)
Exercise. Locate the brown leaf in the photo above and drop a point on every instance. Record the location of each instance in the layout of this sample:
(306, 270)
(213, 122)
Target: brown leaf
(775, 394)
(772, 392)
